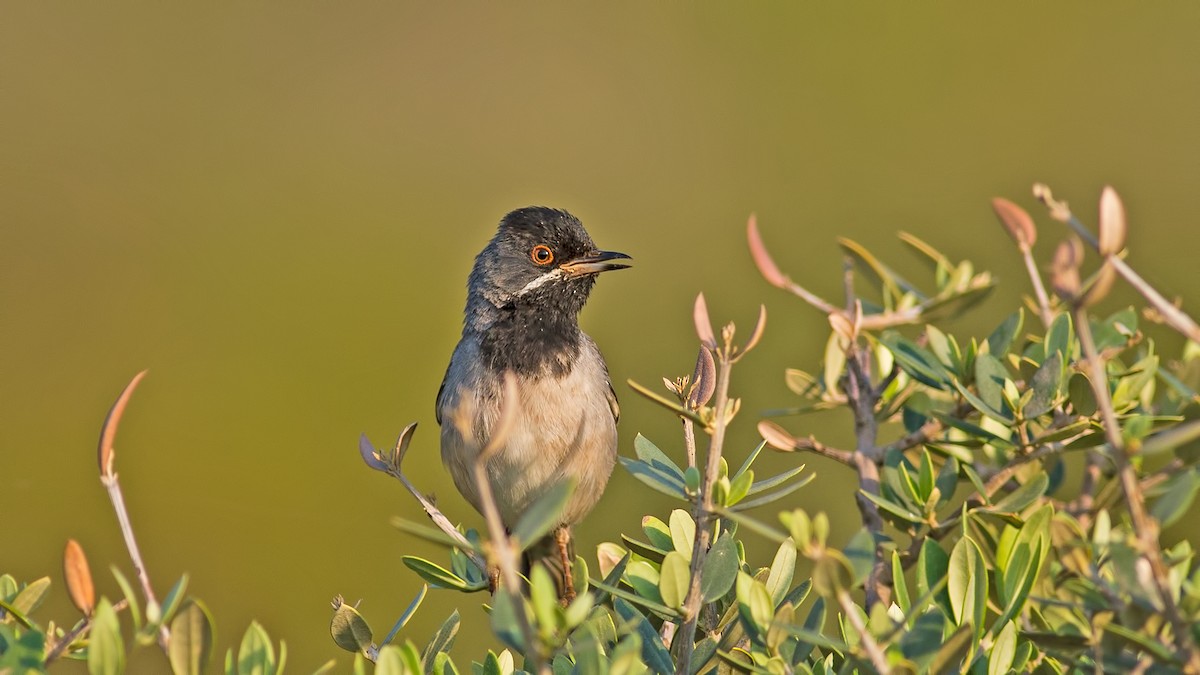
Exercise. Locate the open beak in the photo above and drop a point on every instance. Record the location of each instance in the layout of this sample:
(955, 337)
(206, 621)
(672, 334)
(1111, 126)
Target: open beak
(595, 263)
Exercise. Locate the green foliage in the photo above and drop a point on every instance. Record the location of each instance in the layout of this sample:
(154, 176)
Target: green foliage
(976, 554)
(1012, 489)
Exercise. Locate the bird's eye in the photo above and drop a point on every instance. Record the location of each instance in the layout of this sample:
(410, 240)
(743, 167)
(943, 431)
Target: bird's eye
(542, 255)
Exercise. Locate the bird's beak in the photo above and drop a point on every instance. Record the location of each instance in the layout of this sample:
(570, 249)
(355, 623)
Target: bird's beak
(595, 263)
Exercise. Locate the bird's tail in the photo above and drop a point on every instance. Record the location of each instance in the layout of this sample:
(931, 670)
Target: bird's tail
(555, 552)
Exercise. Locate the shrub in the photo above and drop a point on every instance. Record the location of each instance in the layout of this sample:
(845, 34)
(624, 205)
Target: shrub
(1012, 488)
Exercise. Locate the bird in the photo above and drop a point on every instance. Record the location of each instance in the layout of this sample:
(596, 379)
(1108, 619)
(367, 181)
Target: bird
(524, 295)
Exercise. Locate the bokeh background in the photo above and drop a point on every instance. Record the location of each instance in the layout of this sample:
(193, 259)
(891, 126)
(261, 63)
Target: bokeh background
(274, 209)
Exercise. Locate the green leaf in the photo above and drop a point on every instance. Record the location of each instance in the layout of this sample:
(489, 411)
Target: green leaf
(720, 568)
(860, 551)
(657, 532)
(28, 599)
(754, 605)
(1141, 642)
(953, 650)
(429, 534)
(813, 625)
(106, 650)
(892, 508)
(990, 376)
(174, 599)
(899, 584)
(1131, 388)
(544, 514)
(1046, 384)
(922, 642)
(1023, 496)
(644, 578)
(776, 495)
(192, 639)
(915, 360)
(834, 364)
(740, 487)
(256, 654)
(1004, 649)
(440, 643)
(543, 596)
(947, 480)
(683, 532)
(391, 661)
(932, 567)
(1001, 339)
(649, 453)
(1181, 491)
(968, 585)
(654, 477)
(443, 665)
(1000, 414)
(652, 553)
(1060, 338)
(774, 481)
(783, 568)
(673, 579)
(654, 654)
(440, 577)
(746, 464)
(504, 620)
(408, 614)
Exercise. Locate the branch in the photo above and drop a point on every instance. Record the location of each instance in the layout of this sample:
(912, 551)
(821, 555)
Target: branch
(1145, 528)
(108, 477)
(392, 466)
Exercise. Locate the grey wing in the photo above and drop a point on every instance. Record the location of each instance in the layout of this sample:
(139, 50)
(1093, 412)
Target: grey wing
(437, 404)
(613, 405)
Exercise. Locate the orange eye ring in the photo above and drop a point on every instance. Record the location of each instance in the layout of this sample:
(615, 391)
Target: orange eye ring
(541, 254)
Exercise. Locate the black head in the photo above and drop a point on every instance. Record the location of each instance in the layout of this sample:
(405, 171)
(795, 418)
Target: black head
(540, 258)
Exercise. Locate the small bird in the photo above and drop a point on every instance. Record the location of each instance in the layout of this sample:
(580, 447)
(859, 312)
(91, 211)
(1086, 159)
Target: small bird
(524, 296)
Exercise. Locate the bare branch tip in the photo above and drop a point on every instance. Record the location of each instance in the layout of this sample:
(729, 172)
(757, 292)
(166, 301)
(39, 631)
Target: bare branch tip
(759, 327)
(704, 328)
(78, 578)
(1113, 228)
(369, 455)
(106, 454)
(762, 259)
(704, 379)
(1016, 222)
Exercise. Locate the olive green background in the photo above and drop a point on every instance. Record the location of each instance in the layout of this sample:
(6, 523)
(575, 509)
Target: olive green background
(274, 208)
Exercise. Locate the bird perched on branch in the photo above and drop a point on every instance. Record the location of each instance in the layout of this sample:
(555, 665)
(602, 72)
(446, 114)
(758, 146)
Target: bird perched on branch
(524, 296)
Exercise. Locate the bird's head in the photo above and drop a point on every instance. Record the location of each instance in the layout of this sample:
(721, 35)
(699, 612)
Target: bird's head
(542, 258)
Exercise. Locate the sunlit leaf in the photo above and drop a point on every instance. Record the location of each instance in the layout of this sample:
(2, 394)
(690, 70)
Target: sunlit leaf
(673, 580)
(106, 650)
(967, 584)
(192, 639)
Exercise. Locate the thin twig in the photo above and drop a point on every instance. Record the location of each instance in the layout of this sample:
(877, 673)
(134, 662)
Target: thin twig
(393, 466)
(703, 512)
(1039, 289)
(1145, 527)
(874, 652)
(108, 477)
(866, 462)
(65, 641)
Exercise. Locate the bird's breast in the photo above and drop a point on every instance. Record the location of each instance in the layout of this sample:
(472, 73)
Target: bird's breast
(564, 430)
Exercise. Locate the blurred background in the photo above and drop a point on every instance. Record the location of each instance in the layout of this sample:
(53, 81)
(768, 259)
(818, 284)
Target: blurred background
(274, 209)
